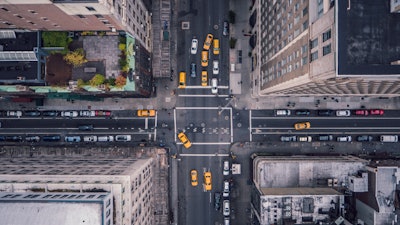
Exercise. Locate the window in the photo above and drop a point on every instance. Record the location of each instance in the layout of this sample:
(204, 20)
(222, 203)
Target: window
(32, 11)
(5, 9)
(304, 60)
(90, 8)
(81, 16)
(304, 49)
(296, 7)
(99, 16)
(326, 50)
(314, 43)
(305, 25)
(305, 11)
(314, 56)
(326, 36)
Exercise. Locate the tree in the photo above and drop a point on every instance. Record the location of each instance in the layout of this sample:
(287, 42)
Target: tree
(76, 58)
(80, 83)
(97, 80)
(120, 81)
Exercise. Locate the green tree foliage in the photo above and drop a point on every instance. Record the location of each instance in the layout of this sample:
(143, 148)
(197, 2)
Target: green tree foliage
(80, 83)
(120, 81)
(76, 58)
(97, 80)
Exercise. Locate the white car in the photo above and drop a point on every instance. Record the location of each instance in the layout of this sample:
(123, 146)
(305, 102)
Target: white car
(226, 189)
(193, 48)
(69, 113)
(344, 139)
(226, 168)
(343, 113)
(215, 67)
(226, 208)
(86, 113)
(214, 86)
(14, 113)
(90, 138)
(123, 137)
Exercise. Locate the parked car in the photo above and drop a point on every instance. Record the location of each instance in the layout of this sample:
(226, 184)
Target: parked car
(326, 112)
(32, 138)
(52, 138)
(32, 113)
(193, 178)
(365, 138)
(302, 112)
(50, 113)
(91, 138)
(344, 139)
(376, 112)
(325, 137)
(109, 138)
(282, 112)
(14, 113)
(69, 114)
(389, 138)
(225, 31)
(227, 209)
(343, 113)
(193, 70)
(305, 139)
(302, 125)
(217, 201)
(87, 113)
(193, 48)
(361, 112)
(72, 139)
(288, 138)
(14, 138)
(226, 189)
(215, 67)
(226, 168)
(123, 137)
(102, 113)
(85, 127)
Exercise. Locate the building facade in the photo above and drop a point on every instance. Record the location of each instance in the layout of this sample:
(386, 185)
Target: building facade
(126, 182)
(326, 47)
(76, 15)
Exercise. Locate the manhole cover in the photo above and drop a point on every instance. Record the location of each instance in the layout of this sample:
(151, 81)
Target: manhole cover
(239, 124)
(203, 124)
(216, 27)
(226, 117)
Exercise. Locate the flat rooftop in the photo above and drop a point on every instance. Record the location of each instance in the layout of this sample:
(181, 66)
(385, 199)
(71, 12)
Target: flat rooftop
(368, 38)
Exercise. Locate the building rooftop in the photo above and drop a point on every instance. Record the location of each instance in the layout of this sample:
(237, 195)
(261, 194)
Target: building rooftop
(367, 38)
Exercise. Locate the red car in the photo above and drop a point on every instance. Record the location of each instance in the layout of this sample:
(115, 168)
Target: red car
(361, 112)
(103, 113)
(378, 112)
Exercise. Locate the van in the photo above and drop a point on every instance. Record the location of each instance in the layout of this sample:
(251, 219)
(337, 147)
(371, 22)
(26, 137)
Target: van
(182, 80)
(216, 47)
(105, 138)
(204, 58)
(226, 208)
(214, 86)
(282, 112)
(389, 138)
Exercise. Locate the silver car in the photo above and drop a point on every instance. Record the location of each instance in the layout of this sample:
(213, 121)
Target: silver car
(227, 209)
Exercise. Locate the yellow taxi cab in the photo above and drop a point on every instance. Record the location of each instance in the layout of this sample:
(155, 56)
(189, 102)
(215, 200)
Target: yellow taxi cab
(216, 47)
(204, 58)
(193, 178)
(182, 80)
(146, 112)
(207, 42)
(302, 125)
(204, 78)
(207, 181)
(184, 139)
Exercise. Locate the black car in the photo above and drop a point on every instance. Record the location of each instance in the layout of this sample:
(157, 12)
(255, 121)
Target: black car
(50, 113)
(85, 127)
(193, 70)
(225, 31)
(32, 113)
(302, 112)
(14, 138)
(326, 112)
(217, 201)
(2, 138)
(365, 138)
(325, 137)
(52, 138)
(288, 138)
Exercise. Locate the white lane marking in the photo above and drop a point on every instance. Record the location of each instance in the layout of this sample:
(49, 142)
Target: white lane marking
(208, 143)
(204, 87)
(326, 128)
(175, 125)
(231, 125)
(146, 124)
(208, 96)
(251, 135)
(198, 155)
(201, 108)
